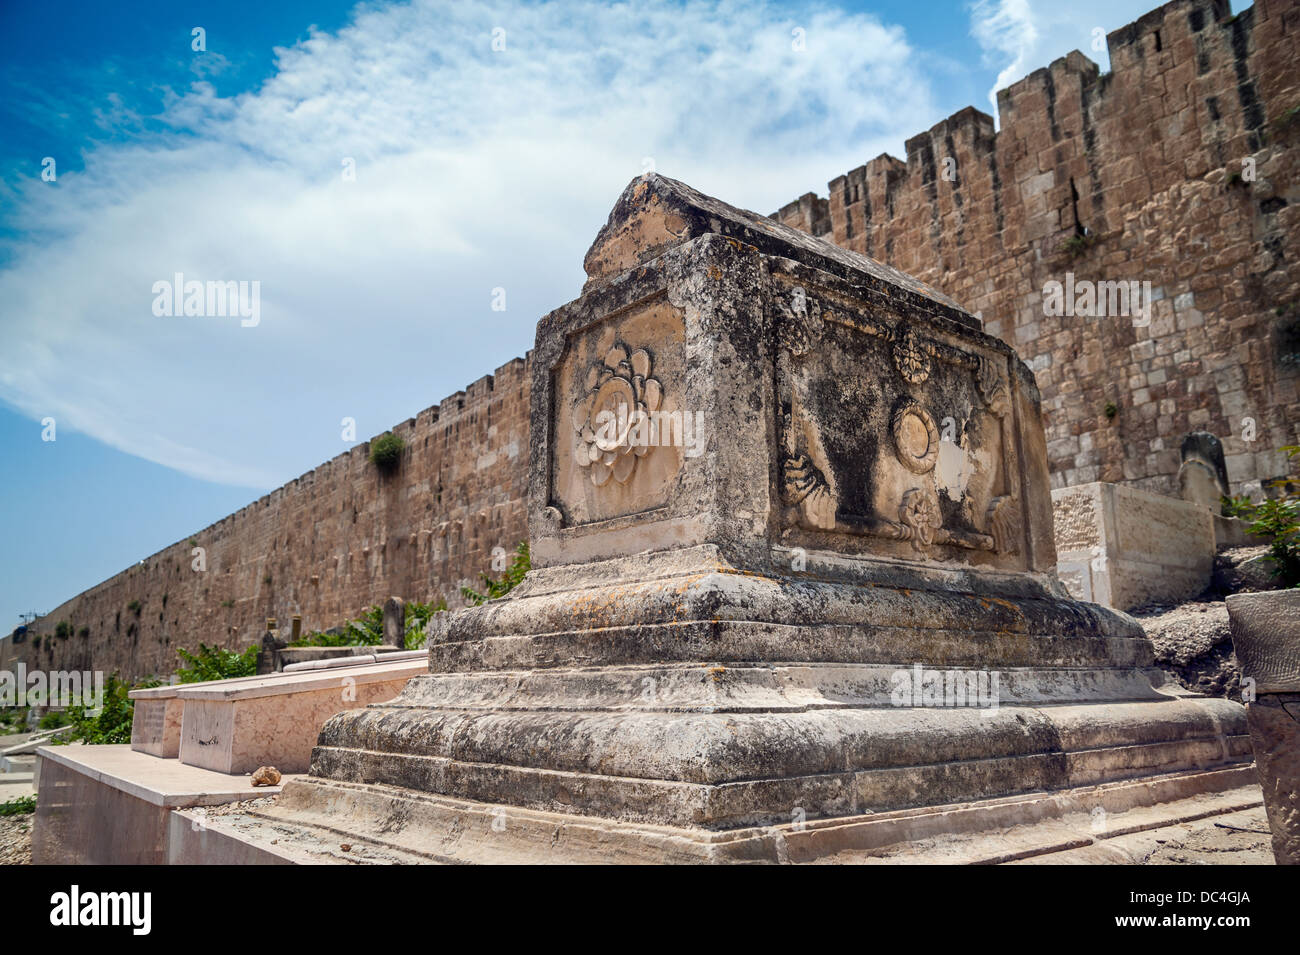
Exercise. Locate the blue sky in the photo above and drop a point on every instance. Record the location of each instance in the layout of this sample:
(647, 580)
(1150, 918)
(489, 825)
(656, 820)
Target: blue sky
(475, 169)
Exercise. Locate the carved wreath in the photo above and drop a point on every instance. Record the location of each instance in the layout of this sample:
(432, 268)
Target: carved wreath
(608, 417)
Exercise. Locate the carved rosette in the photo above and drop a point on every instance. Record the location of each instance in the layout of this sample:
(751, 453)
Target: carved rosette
(609, 417)
(805, 487)
(919, 513)
(993, 386)
(1004, 524)
(912, 356)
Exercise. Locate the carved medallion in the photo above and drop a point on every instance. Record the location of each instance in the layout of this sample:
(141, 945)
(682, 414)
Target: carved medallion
(612, 416)
(916, 438)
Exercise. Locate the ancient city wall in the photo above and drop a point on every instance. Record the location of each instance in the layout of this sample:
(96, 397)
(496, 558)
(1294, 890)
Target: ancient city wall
(1133, 175)
(1136, 174)
(325, 545)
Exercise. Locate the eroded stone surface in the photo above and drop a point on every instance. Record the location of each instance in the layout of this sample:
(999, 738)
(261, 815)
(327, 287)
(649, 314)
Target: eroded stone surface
(715, 639)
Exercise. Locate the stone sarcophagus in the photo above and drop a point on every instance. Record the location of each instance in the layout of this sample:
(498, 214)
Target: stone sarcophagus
(792, 559)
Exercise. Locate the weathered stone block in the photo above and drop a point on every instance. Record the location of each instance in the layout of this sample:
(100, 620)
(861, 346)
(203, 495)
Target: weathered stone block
(716, 633)
(1121, 547)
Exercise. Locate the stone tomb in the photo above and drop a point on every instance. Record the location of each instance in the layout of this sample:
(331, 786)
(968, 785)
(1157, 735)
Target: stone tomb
(830, 593)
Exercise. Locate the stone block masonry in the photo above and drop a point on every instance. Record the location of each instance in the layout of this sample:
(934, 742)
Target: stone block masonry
(325, 545)
(1178, 167)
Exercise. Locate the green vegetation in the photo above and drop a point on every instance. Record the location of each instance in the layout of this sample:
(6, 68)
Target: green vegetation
(18, 806)
(215, 663)
(1277, 520)
(386, 451)
(13, 719)
(1077, 245)
(84, 632)
(509, 580)
(1287, 118)
(134, 606)
(63, 630)
(112, 725)
(53, 719)
(227, 604)
(368, 629)
(1239, 505)
(1111, 409)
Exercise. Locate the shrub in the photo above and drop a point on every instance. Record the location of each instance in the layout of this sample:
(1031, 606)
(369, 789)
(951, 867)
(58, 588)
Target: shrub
(1077, 245)
(368, 629)
(63, 630)
(18, 806)
(227, 604)
(1239, 505)
(386, 451)
(519, 566)
(112, 725)
(1277, 519)
(84, 632)
(134, 606)
(215, 663)
(53, 719)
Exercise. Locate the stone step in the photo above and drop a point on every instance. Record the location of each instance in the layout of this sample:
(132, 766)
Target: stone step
(385, 824)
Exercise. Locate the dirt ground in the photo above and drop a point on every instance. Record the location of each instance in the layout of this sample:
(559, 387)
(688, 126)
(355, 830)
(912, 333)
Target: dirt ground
(16, 839)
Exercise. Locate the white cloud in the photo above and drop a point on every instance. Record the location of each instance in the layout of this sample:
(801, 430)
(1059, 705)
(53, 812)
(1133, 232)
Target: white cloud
(1020, 36)
(475, 170)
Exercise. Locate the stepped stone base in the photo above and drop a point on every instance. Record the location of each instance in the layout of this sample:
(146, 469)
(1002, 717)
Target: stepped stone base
(719, 732)
(313, 820)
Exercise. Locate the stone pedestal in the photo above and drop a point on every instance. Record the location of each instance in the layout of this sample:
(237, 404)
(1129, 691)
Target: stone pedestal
(792, 558)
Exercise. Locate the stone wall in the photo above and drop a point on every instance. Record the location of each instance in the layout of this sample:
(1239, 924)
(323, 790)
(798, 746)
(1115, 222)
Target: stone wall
(1136, 174)
(325, 545)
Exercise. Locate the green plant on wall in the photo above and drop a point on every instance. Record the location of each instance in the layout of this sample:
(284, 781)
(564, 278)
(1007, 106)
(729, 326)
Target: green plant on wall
(135, 606)
(386, 451)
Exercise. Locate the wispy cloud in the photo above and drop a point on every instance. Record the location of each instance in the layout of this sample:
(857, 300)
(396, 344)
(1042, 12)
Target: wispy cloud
(475, 169)
(1005, 30)
(1019, 36)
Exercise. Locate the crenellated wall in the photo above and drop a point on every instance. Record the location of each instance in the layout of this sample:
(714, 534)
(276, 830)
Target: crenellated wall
(1136, 174)
(325, 545)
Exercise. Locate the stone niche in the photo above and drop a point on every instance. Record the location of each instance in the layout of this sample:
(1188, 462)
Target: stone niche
(712, 635)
